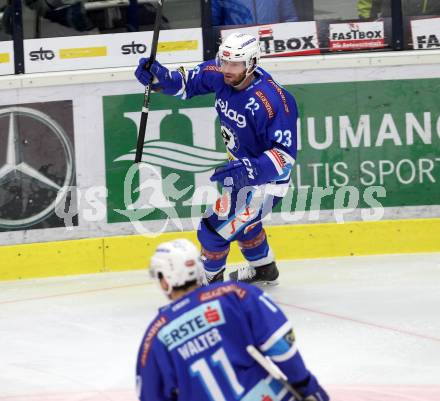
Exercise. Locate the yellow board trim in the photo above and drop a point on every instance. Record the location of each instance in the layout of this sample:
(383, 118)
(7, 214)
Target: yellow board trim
(288, 242)
(51, 259)
(5, 57)
(175, 46)
(81, 52)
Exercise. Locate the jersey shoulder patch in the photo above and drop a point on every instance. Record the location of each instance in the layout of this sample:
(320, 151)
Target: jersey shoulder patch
(150, 335)
(264, 97)
(211, 68)
(280, 94)
(222, 290)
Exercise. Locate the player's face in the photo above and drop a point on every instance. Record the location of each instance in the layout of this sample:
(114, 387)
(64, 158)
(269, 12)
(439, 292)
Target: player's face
(233, 71)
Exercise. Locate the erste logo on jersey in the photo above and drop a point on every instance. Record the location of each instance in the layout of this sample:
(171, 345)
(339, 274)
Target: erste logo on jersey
(191, 324)
(223, 107)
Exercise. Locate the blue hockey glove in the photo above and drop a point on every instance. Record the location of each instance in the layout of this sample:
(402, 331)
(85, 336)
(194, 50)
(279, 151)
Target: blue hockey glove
(311, 390)
(160, 77)
(157, 72)
(242, 172)
(232, 174)
(273, 164)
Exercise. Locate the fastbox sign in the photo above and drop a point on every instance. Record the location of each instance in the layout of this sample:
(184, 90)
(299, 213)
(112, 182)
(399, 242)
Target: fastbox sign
(360, 134)
(110, 50)
(356, 36)
(426, 33)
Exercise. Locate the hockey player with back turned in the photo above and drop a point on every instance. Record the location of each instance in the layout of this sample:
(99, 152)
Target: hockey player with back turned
(258, 124)
(195, 348)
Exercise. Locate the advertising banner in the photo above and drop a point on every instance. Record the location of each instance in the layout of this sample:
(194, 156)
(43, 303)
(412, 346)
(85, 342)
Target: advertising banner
(183, 146)
(371, 143)
(286, 39)
(37, 159)
(110, 50)
(426, 33)
(6, 58)
(356, 36)
(367, 142)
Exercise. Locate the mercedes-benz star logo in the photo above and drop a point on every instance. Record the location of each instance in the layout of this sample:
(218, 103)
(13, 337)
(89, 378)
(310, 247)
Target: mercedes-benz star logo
(28, 188)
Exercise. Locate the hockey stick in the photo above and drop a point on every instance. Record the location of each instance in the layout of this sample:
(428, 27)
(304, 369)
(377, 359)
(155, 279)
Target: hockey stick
(145, 110)
(267, 364)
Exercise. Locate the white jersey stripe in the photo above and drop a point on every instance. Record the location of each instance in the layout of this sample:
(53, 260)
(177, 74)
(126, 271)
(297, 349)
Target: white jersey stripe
(283, 330)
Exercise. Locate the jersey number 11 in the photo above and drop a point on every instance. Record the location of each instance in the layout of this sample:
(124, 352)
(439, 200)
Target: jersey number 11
(202, 369)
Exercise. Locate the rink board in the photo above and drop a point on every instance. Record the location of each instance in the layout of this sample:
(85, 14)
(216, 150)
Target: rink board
(289, 242)
(366, 120)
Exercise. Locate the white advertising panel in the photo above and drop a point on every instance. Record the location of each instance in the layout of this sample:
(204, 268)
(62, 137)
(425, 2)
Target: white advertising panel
(286, 39)
(6, 58)
(426, 33)
(112, 50)
(356, 36)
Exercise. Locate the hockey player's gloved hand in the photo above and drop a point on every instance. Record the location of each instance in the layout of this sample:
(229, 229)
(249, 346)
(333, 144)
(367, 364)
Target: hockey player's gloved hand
(274, 164)
(242, 172)
(311, 390)
(162, 80)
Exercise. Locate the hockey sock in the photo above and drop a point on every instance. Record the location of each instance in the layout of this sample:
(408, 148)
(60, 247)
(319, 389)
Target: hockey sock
(214, 261)
(257, 250)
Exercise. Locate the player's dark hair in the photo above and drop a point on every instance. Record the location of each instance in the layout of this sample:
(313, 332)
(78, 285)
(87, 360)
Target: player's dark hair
(185, 286)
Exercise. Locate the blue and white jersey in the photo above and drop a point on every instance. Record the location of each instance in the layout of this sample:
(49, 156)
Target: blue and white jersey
(195, 349)
(259, 119)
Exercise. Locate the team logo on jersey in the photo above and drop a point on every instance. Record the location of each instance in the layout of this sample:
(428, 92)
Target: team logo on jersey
(223, 107)
(192, 324)
(230, 138)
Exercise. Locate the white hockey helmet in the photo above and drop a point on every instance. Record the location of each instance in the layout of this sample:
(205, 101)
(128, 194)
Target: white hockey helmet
(241, 47)
(177, 262)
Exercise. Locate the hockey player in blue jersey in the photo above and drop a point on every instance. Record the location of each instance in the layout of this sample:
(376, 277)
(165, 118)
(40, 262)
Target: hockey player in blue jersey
(195, 348)
(258, 124)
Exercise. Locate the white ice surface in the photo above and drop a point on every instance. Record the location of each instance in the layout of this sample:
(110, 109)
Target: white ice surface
(368, 327)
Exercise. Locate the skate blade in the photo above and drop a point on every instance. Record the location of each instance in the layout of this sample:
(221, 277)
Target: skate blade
(272, 283)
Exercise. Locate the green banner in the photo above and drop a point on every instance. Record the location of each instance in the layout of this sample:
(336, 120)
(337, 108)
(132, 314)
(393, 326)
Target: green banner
(362, 135)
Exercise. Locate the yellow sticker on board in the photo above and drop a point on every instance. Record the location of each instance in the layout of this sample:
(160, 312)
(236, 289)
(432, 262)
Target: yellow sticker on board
(175, 46)
(80, 52)
(5, 58)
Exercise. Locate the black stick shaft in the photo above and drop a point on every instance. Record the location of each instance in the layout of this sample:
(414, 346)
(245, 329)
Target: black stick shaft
(145, 106)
